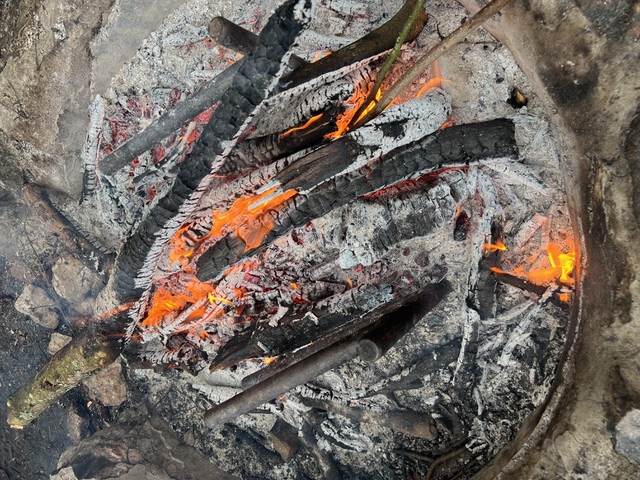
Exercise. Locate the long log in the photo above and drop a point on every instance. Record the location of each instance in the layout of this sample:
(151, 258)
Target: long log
(253, 82)
(325, 360)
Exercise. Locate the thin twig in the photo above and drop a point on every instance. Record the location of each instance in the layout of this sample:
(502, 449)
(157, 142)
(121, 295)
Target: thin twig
(371, 97)
(434, 53)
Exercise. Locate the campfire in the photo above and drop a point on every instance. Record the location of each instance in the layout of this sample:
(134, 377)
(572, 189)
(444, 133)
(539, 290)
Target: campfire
(353, 265)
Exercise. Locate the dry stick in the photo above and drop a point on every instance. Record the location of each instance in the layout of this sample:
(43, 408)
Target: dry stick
(372, 44)
(371, 97)
(433, 54)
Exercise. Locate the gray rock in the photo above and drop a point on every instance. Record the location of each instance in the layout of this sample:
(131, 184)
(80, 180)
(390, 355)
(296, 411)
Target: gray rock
(35, 302)
(57, 342)
(108, 385)
(76, 283)
(628, 436)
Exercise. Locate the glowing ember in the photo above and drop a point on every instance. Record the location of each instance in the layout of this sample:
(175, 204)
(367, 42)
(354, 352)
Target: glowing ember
(165, 302)
(268, 360)
(244, 218)
(344, 120)
(561, 267)
(431, 85)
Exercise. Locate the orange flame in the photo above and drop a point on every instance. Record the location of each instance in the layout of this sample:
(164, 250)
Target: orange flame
(268, 360)
(243, 218)
(309, 122)
(431, 85)
(561, 267)
(493, 247)
(356, 100)
(166, 302)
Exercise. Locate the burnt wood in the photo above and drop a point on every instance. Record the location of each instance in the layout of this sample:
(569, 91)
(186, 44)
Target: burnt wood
(249, 87)
(374, 43)
(231, 35)
(453, 146)
(330, 357)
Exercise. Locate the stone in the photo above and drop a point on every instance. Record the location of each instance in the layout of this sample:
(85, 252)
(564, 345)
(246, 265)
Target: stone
(628, 436)
(108, 385)
(140, 445)
(57, 342)
(36, 303)
(76, 283)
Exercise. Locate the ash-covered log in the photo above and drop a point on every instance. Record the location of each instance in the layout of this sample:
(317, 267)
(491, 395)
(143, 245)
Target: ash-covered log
(372, 344)
(452, 147)
(256, 78)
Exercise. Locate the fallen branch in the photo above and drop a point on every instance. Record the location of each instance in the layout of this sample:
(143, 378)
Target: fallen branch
(88, 352)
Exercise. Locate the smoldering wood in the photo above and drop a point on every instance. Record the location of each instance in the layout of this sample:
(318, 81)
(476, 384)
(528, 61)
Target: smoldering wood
(383, 336)
(253, 82)
(90, 151)
(258, 151)
(393, 326)
(377, 41)
(281, 382)
(432, 55)
(294, 332)
(453, 146)
(408, 422)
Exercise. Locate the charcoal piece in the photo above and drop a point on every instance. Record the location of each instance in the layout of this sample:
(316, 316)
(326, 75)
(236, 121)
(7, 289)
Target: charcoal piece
(285, 439)
(453, 146)
(136, 262)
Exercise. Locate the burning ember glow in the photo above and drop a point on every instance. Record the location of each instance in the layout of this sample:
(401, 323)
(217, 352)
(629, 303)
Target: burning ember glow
(242, 218)
(309, 122)
(493, 247)
(165, 302)
(561, 266)
(346, 118)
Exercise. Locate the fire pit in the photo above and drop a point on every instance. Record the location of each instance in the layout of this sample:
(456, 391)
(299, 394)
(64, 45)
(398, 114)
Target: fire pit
(399, 293)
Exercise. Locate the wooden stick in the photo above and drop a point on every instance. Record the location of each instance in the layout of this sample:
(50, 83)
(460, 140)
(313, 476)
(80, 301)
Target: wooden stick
(86, 353)
(372, 44)
(371, 97)
(433, 54)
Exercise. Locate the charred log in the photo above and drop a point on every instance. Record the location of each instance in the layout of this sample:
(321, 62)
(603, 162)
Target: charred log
(454, 146)
(372, 44)
(256, 77)
(230, 35)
